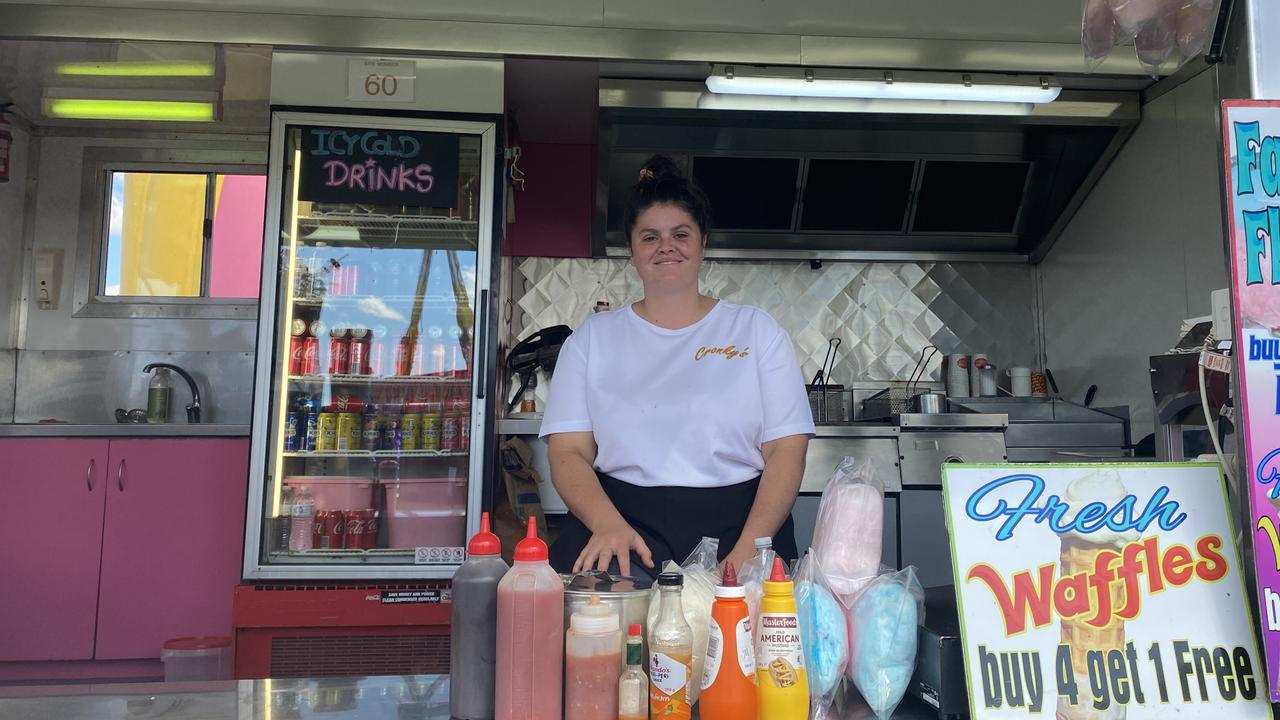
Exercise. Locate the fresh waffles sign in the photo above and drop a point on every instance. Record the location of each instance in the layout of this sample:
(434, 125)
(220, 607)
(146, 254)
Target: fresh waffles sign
(1252, 139)
(1092, 592)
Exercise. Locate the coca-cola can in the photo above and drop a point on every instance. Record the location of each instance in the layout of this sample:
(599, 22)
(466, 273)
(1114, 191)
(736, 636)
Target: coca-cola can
(419, 359)
(378, 358)
(362, 531)
(328, 531)
(404, 357)
(310, 364)
(296, 347)
(339, 352)
(359, 351)
(345, 402)
(337, 280)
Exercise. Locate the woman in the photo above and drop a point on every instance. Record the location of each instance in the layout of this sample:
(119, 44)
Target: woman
(678, 417)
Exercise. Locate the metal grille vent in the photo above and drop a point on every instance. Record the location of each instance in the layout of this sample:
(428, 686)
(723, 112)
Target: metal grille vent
(336, 586)
(359, 655)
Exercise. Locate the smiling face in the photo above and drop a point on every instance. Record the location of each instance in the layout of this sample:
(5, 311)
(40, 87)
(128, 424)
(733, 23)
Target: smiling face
(667, 248)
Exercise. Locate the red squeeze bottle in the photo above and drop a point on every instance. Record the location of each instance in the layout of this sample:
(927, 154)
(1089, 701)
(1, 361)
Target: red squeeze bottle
(728, 682)
(530, 635)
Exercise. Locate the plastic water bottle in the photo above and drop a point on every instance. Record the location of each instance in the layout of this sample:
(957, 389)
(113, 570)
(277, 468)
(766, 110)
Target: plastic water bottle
(304, 511)
(284, 523)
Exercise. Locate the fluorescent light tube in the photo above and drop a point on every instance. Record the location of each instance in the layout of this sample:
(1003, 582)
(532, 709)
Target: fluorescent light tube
(136, 69)
(880, 89)
(711, 101)
(156, 110)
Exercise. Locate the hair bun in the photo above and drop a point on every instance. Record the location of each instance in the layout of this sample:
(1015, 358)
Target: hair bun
(659, 167)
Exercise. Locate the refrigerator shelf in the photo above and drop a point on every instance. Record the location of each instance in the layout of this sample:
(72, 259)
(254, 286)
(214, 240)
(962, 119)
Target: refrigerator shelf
(376, 380)
(375, 556)
(447, 301)
(344, 229)
(376, 454)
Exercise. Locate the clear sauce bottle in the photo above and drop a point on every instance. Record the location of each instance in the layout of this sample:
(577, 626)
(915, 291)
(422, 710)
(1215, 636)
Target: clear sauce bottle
(670, 654)
(633, 686)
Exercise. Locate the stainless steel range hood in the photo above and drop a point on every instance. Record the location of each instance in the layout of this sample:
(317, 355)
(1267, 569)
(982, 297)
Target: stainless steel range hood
(820, 185)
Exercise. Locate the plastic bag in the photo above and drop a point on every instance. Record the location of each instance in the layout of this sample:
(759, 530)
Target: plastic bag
(847, 534)
(1133, 16)
(1099, 32)
(823, 634)
(751, 577)
(1196, 21)
(701, 575)
(884, 627)
(1157, 40)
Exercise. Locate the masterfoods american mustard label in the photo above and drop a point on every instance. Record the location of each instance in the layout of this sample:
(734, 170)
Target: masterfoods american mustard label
(780, 654)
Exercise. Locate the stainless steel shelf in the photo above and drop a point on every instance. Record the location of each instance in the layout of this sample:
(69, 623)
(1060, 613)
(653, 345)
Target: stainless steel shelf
(355, 300)
(376, 454)
(374, 556)
(376, 380)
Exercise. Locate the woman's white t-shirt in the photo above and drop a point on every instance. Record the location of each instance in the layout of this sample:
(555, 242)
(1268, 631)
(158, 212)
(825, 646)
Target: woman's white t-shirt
(688, 407)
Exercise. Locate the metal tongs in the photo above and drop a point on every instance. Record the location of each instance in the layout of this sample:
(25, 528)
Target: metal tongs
(922, 366)
(828, 364)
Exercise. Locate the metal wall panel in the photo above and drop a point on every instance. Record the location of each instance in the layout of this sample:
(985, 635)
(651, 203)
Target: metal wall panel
(87, 387)
(1140, 256)
(8, 379)
(14, 200)
(884, 313)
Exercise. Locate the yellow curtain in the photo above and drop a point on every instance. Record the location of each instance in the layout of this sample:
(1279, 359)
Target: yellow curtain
(162, 244)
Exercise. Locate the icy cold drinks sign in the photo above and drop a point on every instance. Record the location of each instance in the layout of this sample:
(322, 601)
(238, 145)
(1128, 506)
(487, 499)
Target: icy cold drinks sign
(1252, 141)
(1101, 592)
(379, 167)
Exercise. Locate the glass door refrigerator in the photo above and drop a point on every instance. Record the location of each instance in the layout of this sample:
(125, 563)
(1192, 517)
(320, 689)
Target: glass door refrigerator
(369, 425)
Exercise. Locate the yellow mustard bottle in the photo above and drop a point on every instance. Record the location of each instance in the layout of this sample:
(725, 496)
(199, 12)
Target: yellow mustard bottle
(781, 684)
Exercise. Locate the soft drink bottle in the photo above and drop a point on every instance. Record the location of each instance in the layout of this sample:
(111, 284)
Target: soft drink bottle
(304, 511)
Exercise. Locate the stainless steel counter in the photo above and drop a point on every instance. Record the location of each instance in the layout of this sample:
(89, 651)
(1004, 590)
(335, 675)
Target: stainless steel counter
(122, 430)
(417, 697)
(530, 426)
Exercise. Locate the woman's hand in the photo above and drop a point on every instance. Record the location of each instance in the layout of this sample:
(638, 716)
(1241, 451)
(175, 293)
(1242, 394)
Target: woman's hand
(617, 539)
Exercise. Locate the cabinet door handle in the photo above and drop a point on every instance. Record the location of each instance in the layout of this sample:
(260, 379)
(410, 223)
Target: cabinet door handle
(120, 475)
(88, 474)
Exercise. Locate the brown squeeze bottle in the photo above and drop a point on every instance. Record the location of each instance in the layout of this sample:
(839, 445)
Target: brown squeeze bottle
(474, 627)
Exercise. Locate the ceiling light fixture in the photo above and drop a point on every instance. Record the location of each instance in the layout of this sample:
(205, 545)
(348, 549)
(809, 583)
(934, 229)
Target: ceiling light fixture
(153, 110)
(711, 101)
(136, 69)
(968, 88)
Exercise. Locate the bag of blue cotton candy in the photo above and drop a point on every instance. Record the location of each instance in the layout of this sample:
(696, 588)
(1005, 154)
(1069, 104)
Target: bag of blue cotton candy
(884, 631)
(823, 634)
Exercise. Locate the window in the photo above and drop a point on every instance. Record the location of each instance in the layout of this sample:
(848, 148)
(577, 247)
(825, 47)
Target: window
(182, 235)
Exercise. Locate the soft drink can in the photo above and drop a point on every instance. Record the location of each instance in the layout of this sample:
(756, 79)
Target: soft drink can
(404, 357)
(312, 432)
(361, 530)
(449, 433)
(391, 433)
(339, 352)
(437, 359)
(328, 439)
(464, 433)
(292, 424)
(346, 402)
(349, 431)
(431, 427)
(337, 280)
(351, 284)
(410, 431)
(378, 358)
(419, 359)
(310, 364)
(359, 351)
(371, 432)
(328, 531)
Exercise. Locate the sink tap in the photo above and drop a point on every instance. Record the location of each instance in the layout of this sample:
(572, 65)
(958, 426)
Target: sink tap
(193, 410)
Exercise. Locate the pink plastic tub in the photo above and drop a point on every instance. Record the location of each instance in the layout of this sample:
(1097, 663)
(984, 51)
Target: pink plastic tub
(426, 512)
(336, 492)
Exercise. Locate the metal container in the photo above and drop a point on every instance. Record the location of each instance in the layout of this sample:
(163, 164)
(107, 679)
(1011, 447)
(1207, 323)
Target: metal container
(929, 403)
(629, 597)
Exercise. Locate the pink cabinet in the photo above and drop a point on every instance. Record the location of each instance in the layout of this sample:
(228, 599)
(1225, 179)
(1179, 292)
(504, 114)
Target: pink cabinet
(50, 546)
(172, 543)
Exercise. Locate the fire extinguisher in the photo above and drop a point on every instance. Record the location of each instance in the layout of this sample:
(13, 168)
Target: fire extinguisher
(6, 142)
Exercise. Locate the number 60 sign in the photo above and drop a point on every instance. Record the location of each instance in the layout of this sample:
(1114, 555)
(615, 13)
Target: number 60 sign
(380, 80)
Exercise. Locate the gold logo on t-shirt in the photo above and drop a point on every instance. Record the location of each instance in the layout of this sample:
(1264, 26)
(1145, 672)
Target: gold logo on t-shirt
(728, 352)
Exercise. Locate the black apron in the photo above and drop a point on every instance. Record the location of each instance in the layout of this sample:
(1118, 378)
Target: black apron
(672, 521)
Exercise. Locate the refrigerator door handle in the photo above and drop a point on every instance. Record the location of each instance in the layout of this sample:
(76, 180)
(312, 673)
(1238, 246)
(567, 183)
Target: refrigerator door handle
(482, 337)
(120, 475)
(88, 474)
